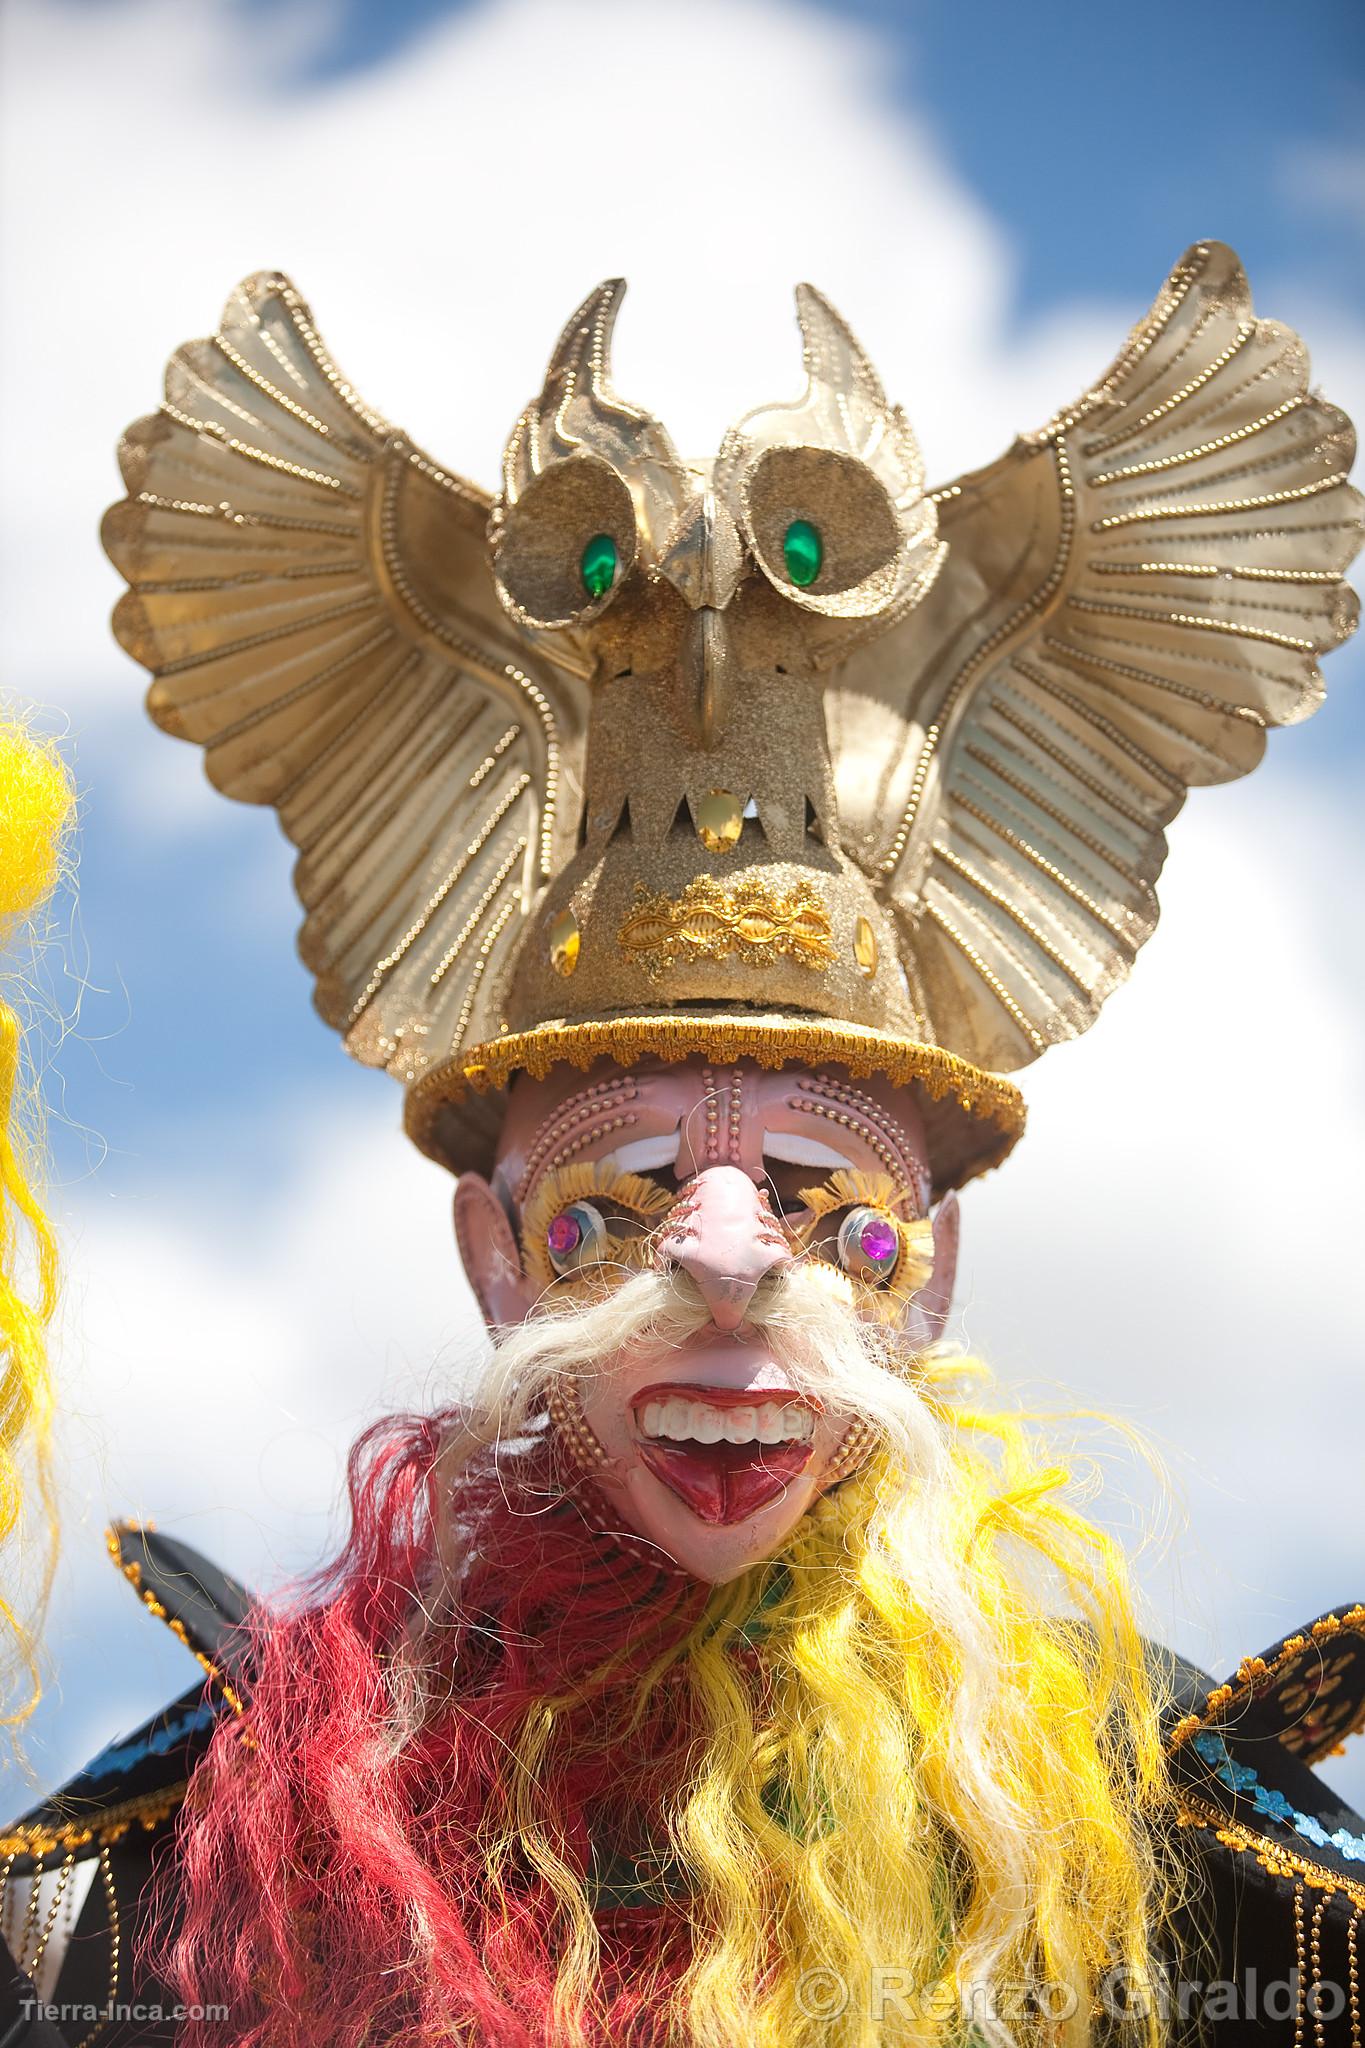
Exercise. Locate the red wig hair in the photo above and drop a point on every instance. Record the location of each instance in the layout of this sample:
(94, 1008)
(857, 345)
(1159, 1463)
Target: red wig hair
(334, 1882)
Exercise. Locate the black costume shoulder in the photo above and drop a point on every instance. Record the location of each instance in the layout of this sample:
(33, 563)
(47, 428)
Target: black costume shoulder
(1265, 1945)
(118, 1813)
(1270, 1938)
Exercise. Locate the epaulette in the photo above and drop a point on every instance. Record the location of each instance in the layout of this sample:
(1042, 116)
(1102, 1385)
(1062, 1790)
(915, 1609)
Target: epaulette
(140, 1779)
(1242, 1752)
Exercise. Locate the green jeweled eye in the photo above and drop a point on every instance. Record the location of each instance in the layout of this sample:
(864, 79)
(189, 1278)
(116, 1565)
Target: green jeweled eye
(803, 551)
(598, 565)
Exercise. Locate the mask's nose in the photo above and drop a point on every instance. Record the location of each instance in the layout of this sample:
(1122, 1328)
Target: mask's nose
(726, 1238)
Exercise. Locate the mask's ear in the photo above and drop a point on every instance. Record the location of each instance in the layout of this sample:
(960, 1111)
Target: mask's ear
(927, 1311)
(488, 1252)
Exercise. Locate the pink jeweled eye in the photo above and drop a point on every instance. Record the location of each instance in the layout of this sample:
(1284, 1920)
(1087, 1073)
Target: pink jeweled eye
(869, 1245)
(576, 1237)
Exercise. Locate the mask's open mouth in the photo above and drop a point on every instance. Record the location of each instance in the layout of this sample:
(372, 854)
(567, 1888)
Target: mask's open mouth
(725, 1452)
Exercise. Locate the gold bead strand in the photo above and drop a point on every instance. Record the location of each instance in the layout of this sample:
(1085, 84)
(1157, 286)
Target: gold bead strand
(1315, 1957)
(1300, 1966)
(115, 1947)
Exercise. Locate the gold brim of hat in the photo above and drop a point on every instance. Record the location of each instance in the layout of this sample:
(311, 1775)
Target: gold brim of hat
(973, 1119)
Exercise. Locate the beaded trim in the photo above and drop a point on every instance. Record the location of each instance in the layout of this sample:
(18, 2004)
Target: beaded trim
(858, 1112)
(599, 1515)
(711, 1100)
(572, 1426)
(1245, 1781)
(1278, 1861)
(574, 1124)
(132, 1571)
(1255, 1676)
(40, 1838)
(854, 1448)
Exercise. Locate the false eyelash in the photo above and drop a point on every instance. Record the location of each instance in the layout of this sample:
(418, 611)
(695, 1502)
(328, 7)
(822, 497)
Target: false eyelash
(846, 1189)
(579, 1182)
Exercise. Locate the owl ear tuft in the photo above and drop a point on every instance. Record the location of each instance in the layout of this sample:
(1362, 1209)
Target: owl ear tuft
(842, 463)
(832, 353)
(578, 410)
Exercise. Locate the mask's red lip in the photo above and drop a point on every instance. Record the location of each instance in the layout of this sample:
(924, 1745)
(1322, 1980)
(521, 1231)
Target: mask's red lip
(725, 1483)
(727, 1397)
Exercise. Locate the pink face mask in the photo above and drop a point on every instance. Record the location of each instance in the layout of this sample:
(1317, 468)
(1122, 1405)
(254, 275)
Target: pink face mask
(728, 1175)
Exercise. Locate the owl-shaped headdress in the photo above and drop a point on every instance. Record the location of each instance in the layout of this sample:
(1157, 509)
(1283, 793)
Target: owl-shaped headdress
(778, 756)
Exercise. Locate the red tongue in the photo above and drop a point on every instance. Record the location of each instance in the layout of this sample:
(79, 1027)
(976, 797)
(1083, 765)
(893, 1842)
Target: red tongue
(725, 1483)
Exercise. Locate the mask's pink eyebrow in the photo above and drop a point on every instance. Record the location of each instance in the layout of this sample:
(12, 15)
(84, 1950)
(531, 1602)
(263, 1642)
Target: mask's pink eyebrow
(847, 1107)
(577, 1123)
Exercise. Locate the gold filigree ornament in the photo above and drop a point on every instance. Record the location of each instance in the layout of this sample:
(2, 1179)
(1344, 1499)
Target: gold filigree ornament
(751, 921)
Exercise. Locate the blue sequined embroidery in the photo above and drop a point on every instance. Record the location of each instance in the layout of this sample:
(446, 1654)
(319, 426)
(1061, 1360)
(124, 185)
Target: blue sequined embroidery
(154, 1741)
(1242, 1779)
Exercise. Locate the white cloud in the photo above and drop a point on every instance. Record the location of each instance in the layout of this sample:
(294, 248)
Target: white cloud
(1176, 1235)
(1326, 178)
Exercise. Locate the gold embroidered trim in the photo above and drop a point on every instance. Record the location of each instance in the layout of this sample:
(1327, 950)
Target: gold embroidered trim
(1253, 1673)
(1274, 1857)
(132, 1571)
(759, 923)
(770, 1041)
(41, 1838)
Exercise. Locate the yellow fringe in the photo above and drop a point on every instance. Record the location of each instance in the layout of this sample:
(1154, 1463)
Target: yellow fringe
(772, 1041)
(848, 1189)
(586, 1180)
(35, 808)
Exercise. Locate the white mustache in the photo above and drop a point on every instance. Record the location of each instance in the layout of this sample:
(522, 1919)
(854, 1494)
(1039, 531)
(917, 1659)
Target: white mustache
(802, 1315)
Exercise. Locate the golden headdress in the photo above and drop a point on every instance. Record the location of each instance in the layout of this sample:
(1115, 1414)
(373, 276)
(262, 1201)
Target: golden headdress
(779, 756)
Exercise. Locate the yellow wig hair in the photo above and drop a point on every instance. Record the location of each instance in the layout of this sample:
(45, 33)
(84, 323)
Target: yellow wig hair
(35, 809)
(873, 1840)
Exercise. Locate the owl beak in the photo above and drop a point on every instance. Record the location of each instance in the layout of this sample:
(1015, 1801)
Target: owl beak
(703, 556)
(706, 669)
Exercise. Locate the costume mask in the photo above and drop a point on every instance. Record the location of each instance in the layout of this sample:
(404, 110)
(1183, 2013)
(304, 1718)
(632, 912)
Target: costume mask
(722, 1182)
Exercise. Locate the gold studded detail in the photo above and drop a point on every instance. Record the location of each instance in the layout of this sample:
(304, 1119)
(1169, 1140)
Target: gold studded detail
(865, 947)
(720, 820)
(565, 941)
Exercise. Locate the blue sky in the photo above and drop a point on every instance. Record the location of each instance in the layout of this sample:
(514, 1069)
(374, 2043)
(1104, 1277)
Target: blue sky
(1180, 103)
(992, 194)
(1102, 151)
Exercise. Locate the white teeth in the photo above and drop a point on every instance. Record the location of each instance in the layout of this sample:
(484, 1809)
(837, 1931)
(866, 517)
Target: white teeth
(741, 1425)
(767, 1422)
(796, 1422)
(770, 1423)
